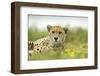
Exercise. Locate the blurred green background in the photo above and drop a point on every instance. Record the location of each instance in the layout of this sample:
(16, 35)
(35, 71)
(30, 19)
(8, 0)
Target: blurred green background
(76, 44)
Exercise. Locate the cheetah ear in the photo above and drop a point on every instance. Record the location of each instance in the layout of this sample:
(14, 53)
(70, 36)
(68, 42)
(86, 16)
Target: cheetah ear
(65, 29)
(49, 27)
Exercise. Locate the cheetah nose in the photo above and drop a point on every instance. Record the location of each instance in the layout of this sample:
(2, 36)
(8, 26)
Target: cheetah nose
(56, 38)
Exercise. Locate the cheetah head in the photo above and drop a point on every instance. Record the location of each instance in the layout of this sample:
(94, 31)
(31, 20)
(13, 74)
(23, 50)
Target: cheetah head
(57, 34)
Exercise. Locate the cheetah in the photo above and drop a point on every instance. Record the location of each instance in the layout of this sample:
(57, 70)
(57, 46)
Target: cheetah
(55, 39)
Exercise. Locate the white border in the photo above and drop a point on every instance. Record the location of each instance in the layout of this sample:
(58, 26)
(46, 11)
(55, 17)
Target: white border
(25, 64)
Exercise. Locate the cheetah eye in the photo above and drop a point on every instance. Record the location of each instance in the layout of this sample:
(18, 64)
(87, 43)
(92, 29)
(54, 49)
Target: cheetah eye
(53, 32)
(60, 32)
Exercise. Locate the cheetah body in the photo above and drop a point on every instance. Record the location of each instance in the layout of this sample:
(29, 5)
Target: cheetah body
(55, 39)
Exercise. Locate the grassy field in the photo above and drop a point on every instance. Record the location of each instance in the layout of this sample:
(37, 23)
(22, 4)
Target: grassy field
(76, 45)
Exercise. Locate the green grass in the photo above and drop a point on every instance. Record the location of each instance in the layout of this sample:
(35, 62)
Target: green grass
(76, 45)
